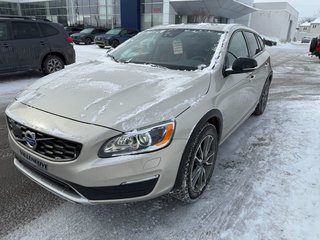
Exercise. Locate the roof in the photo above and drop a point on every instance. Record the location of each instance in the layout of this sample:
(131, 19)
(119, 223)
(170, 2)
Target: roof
(204, 26)
(305, 24)
(317, 21)
(218, 8)
(198, 26)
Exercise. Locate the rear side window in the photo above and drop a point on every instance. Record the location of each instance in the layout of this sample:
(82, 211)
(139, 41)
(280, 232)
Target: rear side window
(47, 30)
(25, 30)
(253, 46)
(4, 33)
(99, 31)
(261, 43)
(237, 48)
(124, 32)
(131, 31)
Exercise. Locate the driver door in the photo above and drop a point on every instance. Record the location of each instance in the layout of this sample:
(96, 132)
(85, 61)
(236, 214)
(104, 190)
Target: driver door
(8, 57)
(236, 93)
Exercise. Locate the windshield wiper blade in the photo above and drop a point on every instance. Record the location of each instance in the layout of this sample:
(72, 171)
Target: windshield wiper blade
(156, 65)
(112, 57)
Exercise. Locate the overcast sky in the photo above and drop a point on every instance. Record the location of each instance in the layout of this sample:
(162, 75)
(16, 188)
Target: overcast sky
(306, 8)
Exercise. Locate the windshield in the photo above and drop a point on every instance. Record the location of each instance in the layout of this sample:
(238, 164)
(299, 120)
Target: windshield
(87, 30)
(182, 49)
(114, 31)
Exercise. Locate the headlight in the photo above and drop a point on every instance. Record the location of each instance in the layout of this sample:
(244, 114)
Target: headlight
(139, 141)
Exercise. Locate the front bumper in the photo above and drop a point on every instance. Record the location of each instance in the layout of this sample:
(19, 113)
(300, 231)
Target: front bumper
(80, 194)
(90, 179)
(102, 42)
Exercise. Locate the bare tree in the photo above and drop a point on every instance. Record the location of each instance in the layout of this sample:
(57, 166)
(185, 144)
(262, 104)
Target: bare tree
(306, 19)
(200, 16)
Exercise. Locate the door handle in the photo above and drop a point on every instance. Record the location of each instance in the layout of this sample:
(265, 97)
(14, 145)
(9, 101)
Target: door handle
(42, 43)
(5, 45)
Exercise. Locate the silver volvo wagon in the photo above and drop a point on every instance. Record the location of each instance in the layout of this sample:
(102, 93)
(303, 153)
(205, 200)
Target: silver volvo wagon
(144, 121)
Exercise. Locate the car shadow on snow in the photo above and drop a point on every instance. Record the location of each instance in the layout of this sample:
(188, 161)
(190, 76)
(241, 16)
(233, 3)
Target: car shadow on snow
(21, 76)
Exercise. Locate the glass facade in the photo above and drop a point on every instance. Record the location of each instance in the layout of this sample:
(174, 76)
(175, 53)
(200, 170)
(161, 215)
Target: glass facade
(151, 13)
(8, 8)
(101, 13)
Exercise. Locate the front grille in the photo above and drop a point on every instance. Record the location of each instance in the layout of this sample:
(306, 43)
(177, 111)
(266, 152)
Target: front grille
(48, 146)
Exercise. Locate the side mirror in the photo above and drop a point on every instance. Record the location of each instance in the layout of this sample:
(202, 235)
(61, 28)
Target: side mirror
(242, 65)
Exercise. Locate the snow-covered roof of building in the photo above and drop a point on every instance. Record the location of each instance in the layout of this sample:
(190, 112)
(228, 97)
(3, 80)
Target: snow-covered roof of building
(305, 24)
(317, 21)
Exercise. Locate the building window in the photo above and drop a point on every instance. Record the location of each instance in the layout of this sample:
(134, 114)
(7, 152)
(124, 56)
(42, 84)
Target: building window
(151, 13)
(101, 13)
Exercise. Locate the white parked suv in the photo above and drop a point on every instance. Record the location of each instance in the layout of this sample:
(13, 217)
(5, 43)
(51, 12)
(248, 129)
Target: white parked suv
(146, 120)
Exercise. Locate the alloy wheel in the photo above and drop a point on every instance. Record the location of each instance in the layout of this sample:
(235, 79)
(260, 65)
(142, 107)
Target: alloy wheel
(202, 164)
(54, 65)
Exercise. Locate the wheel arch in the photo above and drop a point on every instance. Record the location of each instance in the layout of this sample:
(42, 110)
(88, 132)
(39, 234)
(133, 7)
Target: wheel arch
(213, 117)
(60, 55)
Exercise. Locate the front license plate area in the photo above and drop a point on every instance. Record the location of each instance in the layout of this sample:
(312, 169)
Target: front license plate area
(34, 161)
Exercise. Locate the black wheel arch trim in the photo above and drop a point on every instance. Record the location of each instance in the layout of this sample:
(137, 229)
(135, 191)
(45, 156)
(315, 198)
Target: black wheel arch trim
(211, 116)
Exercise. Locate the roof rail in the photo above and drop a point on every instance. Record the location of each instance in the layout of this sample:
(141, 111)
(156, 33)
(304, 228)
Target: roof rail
(13, 16)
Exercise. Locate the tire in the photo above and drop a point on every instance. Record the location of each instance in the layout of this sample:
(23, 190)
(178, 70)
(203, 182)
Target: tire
(52, 64)
(197, 164)
(313, 44)
(87, 41)
(263, 99)
(115, 43)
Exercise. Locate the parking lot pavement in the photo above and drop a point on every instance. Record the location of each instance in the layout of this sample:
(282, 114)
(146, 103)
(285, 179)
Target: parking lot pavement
(266, 184)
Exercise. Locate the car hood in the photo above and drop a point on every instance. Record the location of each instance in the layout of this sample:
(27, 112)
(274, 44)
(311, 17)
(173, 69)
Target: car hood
(101, 35)
(117, 95)
(79, 34)
(107, 36)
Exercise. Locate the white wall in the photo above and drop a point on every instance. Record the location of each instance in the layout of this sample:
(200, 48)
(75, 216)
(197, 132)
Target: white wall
(315, 28)
(245, 20)
(274, 22)
(168, 13)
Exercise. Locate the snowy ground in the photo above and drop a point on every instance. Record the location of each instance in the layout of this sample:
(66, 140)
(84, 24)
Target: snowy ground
(266, 184)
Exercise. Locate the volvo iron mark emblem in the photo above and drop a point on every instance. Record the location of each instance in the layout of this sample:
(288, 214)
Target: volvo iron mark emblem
(31, 139)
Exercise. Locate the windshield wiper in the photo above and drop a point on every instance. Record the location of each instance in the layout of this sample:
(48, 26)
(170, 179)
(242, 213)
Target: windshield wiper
(112, 57)
(157, 65)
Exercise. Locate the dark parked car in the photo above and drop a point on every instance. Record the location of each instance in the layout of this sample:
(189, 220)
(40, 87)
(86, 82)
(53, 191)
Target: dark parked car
(114, 37)
(73, 29)
(269, 42)
(29, 44)
(87, 35)
(305, 40)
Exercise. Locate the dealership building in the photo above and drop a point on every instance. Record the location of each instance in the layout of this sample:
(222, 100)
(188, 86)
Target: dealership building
(139, 14)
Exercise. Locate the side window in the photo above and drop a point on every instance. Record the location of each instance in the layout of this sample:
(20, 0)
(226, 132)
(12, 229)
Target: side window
(48, 30)
(4, 33)
(252, 43)
(132, 31)
(25, 30)
(98, 31)
(237, 48)
(261, 43)
(124, 32)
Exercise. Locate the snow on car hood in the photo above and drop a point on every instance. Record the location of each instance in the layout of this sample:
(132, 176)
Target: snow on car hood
(117, 95)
